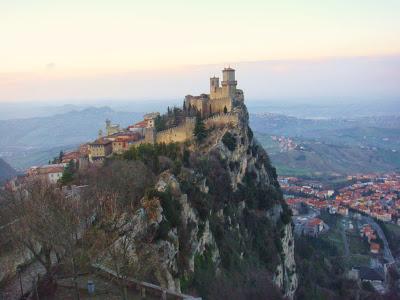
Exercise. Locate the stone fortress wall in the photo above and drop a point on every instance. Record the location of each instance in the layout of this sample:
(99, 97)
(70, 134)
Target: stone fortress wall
(179, 133)
(218, 104)
(184, 132)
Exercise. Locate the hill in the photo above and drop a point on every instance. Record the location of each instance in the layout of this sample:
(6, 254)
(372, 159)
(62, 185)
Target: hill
(6, 171)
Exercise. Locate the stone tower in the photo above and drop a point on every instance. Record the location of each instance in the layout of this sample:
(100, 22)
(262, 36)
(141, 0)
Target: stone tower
(228, 82)
(214, 85)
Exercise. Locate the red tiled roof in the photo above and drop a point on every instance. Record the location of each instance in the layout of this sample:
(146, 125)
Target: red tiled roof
(315, 222)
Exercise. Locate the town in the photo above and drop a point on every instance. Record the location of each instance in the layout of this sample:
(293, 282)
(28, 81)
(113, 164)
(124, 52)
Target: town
(376, 195)
(350, 213)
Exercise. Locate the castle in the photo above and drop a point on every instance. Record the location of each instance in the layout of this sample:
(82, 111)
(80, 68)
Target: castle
(216, 109)
(221, 99)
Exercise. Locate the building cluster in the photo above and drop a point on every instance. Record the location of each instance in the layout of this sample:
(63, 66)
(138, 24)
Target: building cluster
(369, 234)
(285, 143)
(118, 140)
(376, 195)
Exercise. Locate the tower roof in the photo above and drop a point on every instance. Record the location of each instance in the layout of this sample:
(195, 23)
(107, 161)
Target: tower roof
(229, 69)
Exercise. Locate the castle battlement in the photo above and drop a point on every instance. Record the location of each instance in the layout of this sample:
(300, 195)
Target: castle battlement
(222, 119)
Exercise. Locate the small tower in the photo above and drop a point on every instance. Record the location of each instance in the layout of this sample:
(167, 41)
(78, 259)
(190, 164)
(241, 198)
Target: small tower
(214, 84)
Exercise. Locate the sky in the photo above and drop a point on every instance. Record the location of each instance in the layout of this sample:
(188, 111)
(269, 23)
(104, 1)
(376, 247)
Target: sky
(75, 50)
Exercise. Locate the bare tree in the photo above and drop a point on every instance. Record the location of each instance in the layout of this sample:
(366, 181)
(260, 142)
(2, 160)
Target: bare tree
(48, 224)
(112, 244)
(35, 210)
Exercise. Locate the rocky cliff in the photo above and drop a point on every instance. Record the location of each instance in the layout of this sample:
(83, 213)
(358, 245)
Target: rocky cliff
(218, 211)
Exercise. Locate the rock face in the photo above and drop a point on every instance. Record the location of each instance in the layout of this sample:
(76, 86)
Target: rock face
(223, 207)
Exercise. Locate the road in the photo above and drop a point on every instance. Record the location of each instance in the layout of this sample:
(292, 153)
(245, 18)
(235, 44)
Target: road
(387, 254)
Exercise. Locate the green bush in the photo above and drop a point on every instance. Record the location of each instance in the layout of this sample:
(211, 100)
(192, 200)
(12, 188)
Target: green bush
(163, 229)
(171, 206)
(229, 141)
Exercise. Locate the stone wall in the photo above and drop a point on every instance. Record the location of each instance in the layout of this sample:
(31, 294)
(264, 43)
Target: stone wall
(179, 133)
(184, 132)
(221, 120)
(218, 105)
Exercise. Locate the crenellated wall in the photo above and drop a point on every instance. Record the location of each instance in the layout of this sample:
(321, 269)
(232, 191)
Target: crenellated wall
(221, 120)
(179, 133)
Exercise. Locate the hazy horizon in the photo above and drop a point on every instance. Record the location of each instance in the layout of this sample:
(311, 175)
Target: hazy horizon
(325, 80)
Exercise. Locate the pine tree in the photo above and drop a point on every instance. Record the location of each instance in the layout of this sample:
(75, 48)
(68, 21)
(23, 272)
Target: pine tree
(199, 129)
(68, 174)
(225, 110)
(60, 157)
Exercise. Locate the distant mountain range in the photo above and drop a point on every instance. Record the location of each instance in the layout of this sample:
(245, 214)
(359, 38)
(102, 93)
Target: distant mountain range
(6, 171)
(340, 145)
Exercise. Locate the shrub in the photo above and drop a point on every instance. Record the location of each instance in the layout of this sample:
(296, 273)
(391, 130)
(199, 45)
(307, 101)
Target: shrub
(199, 129)
(163, 229)
(286, 215)
(229, 141)
(250, 133)
(171, 206)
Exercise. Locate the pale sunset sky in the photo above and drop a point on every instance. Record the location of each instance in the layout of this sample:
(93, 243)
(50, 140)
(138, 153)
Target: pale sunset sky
(73, 50)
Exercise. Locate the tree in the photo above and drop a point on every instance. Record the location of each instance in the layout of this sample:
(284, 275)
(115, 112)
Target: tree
(199, 129)
(68, 174)
(159, 123)
(225, 110)
(112, 241)
(47, 224)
